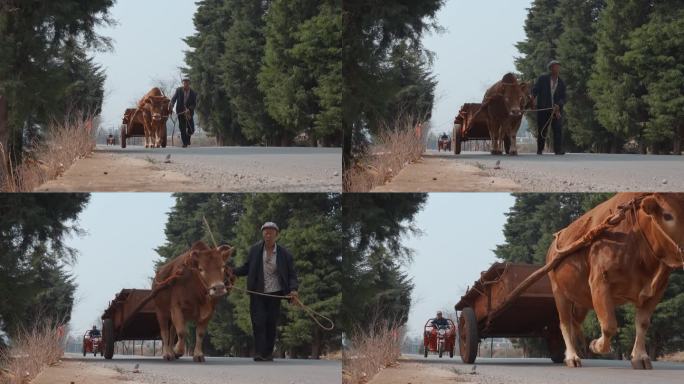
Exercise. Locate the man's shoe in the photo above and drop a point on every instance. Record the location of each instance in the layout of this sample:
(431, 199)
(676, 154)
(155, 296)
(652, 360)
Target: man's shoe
(539, 153)
(560, 153)
(259, 358)
(185, 145)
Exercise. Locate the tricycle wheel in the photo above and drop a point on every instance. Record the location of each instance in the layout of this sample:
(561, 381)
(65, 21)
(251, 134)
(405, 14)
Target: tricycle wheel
(451, 353)
(123, 136)
(468, 339)
(441, 351)
(108, 338)
(457, 140)
(425, 350)
(556, 346)
(84, 349)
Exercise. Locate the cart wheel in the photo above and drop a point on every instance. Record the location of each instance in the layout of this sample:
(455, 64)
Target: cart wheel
(467, 335)
(84, 350)
(108, 338)
(457, 140)
(556, 346)
(123, 136)
(451, 353)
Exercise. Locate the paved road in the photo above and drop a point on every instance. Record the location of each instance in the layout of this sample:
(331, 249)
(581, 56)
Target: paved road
(542, 371)
(576, 172)
(229, 169)
(221, 370)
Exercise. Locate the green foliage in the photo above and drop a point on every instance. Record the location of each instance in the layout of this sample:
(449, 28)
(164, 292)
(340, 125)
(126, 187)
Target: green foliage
(385, 67)
(33, 256)
(44, 69)
(310, 229)
(268, 71)
(621, 61)
(374, 283)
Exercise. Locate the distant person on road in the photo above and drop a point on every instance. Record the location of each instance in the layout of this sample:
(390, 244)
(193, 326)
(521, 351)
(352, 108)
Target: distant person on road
(94, 332)
(549, 91)
(269, 269)
(186, 100)
(440, 321)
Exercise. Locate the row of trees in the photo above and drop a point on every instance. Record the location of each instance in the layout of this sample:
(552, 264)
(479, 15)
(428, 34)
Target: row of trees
(310, 229)
(268, 71)
(385, 67)
(623, 65)
(533, 220)
(34, 285)
(45, 71)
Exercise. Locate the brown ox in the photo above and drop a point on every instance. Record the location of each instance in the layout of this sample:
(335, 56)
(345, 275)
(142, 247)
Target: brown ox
(155, 111)
(628, 262)
(502, 107)
(196, 281)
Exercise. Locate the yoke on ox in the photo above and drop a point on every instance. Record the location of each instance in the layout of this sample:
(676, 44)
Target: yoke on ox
(189, 288)
(621, 251)
(502, 109)
(148, 119)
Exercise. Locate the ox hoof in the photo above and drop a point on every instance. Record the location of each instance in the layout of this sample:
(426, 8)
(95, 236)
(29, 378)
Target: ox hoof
(643, 363)
(574, 362)
(198, 359)
(169, 357)
(178, 355)
(593, 346)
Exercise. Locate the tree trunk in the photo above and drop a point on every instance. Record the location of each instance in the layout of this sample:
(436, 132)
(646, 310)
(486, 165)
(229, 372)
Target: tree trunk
(4, 128)
(316, 345)
(677, 147)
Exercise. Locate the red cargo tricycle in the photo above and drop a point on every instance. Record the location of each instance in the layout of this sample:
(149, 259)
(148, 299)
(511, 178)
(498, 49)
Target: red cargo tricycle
(439, 339)
(92, 343)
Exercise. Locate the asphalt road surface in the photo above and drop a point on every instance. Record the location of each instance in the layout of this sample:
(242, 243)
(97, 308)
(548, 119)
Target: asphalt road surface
(220, 370)
(543, 371)
(573, 172)
(196, 169)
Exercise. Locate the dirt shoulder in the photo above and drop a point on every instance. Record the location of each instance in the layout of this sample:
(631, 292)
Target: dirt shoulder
(76, 372)
(106, 172)
(415, 373)
(435, 174)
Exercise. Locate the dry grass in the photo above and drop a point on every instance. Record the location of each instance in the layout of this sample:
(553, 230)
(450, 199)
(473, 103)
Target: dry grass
(66, 142)
(30, 352)
(397, 146)
(373, 349)
(677, 357)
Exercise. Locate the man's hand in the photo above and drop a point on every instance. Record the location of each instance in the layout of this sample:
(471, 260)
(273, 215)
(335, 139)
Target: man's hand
(293, 295)
(556, 111)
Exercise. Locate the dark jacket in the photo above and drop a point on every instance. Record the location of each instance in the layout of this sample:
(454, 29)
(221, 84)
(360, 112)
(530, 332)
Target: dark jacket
(440, 322)
(542, 91)
(179, 99)
(253, 268)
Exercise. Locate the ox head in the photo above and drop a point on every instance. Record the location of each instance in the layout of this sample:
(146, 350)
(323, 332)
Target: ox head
(158, 107)
(210, 264)
(667, 225)
(514, 94)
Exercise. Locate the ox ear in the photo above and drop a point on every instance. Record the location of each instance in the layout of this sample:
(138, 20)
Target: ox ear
(650, 205)
(226, 251)
(194, 258)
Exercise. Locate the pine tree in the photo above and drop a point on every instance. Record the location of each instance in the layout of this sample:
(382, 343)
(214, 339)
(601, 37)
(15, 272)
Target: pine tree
(615, 87)
(655, 52)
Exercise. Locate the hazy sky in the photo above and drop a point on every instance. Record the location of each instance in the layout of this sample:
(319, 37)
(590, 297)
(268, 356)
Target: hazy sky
(123, 229)
(476, 50)
(147, 46)
(460, 230)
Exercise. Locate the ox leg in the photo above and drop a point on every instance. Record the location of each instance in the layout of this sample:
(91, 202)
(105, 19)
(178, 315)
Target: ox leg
(164, 328)
(567, 325)
(640, 358)
(605, 311)
(198, 354)
(179, 325)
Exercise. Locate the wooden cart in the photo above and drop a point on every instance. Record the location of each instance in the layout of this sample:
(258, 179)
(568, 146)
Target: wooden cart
(467, 127)
(130, 316)
(495, 307)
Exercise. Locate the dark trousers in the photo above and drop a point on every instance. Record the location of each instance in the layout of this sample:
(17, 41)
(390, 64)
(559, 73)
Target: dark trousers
(265, 312)
(185, 128)
(542, 130)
